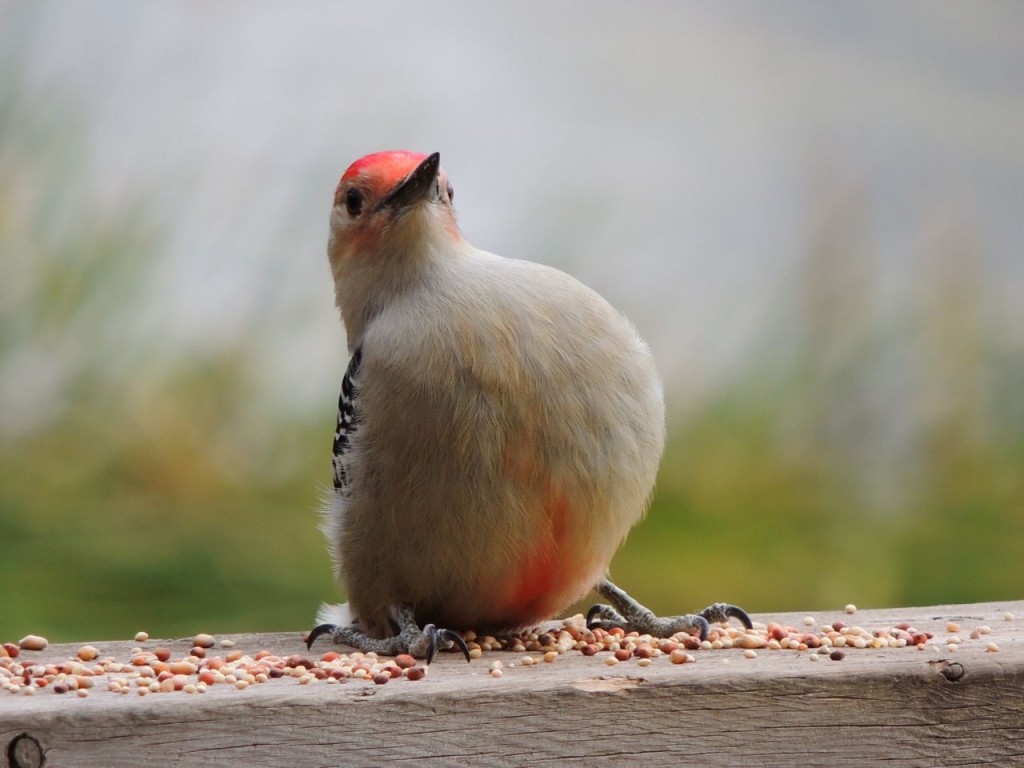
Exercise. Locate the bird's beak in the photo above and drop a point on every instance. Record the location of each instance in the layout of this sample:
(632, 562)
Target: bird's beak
(416, 186)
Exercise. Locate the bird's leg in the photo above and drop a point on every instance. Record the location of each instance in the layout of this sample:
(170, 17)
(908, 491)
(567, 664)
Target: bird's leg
(627, 613)
(421, 643)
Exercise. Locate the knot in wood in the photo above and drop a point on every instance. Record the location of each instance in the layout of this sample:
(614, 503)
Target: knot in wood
(953, 671)
(25, 752)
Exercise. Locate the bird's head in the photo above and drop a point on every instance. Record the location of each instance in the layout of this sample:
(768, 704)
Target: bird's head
(388, 203)
(392, 216)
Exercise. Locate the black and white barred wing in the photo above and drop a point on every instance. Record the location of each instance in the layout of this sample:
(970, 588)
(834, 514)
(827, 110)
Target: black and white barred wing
(348, 421)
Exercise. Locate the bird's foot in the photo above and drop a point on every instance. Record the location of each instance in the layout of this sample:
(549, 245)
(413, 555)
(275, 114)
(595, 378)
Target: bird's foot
(421, 643)
(627, 613)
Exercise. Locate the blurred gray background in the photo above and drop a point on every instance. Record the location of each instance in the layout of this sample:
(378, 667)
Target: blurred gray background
(813, 212)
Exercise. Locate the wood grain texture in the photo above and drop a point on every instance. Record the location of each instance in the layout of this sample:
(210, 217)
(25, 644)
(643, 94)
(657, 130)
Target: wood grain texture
(891, 706)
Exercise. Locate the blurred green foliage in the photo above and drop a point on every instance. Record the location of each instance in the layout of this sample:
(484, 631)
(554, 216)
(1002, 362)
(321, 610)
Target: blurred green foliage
(161, 494)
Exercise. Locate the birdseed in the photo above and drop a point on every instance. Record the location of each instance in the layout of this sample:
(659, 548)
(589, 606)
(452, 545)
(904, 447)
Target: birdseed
(159, 670)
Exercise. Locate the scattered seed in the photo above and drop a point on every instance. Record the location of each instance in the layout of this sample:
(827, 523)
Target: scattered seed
(33, 643)
(1007, 616)
(991, 647)
(679, 656)
(850, 608)
(667, 646)
(750, 640)
(141, 637)
(158, 670)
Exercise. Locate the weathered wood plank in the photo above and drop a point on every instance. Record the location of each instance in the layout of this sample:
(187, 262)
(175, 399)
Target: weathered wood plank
(893, 706)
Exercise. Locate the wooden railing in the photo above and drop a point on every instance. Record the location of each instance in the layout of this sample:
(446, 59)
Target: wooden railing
(948, 704)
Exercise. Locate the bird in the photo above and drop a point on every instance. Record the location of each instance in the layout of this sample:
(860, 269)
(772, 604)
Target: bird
(500, 426)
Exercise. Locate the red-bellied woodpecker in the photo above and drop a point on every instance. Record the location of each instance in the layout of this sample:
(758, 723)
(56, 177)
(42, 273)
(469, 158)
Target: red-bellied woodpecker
(499, 430)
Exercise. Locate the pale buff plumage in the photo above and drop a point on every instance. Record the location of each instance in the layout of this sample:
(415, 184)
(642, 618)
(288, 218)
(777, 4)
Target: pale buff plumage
(512, 422)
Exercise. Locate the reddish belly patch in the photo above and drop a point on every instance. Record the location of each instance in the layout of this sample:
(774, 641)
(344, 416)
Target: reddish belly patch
(548, 576)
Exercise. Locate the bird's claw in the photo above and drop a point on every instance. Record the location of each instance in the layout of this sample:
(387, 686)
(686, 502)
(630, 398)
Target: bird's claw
(436, 637)
(703, 626)
(606, 617)
(722, 612)
(320, 629)
(598, 616)
(423, 643)
(629, 614)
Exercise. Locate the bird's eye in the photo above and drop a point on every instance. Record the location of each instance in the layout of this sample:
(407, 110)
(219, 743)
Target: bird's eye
(451, 193)
(353, 202)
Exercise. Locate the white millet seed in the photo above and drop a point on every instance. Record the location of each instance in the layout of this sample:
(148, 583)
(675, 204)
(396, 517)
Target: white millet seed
(33, 643)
